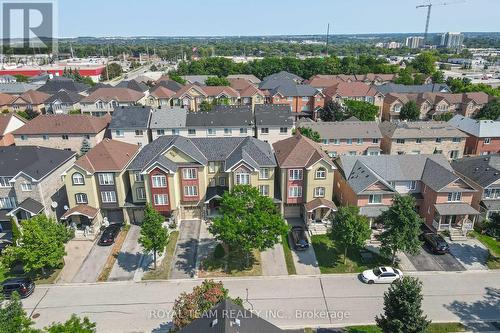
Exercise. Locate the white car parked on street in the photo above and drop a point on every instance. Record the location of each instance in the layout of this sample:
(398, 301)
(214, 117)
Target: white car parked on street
(381, 275)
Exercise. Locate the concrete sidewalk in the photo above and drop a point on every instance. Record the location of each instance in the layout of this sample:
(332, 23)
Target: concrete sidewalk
(273, 261)
(129, 257)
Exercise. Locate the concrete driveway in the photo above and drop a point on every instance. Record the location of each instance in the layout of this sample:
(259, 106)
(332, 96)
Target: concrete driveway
(471, 253)
(305, 261)
(76, 253)
(93, 264)
(273, 261)
(129, 257)
(427, 261)
(185, 254)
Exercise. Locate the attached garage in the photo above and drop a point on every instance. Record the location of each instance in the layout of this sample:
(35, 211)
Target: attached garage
(191, 213)
(291, 211)
(114, 215)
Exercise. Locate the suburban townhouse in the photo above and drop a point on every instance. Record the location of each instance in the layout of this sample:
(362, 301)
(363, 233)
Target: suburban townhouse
(185, 178)
(483, 135)
(68, 132)
(274, 80)
(9, 122)
(433, 104)
(248, 77)
(249, 93)
(105, 100)
(6, 102)
(413, 89)
(483, 173)
(17, 88)
(30, 182)
(169, 121)
(131, 125)
(305, 178)
(191, 96)
(160, 97)
(304, 99)
(273, 122)
(321, 81)
(422, 137)
(165, 82)
(134, 85)
(358, 91)
(30, 100)
(98, 187)
(63, 101)
(442, 198)
(346, 137)
(59, 83)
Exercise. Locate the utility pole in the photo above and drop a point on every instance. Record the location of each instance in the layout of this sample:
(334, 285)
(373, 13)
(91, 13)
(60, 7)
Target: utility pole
(327, 35)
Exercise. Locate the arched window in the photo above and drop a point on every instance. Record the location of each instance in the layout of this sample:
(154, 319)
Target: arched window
(81, 198)
(321, 173)
(78, 179)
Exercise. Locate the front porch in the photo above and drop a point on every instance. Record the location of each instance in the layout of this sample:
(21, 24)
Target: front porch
(212, 202)
(317, 215)
(85, 220)
(26, 210)
(457, 218)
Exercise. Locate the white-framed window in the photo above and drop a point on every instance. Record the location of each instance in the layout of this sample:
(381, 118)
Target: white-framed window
(211, 131)
(78, 179)
(305, 99)
(454, 196)
(189, 173)
(211, 167)
(141, 193)
(352, 153)
(160, 199)
(106, 179)
(375, 140)
(5, 182)
(228, 131)
(335, 141)
(418, 140)
(81, 198)
(264, 130)
(348, 141)
(491, 193)
(320, 173)
(26, 187)
(138, 176)
(400, 141)
(264, 173)
(108, 196)
(332, 154)
(375, 199)
(191, 191)
(487, 141)
(160, 132)
(264, 190)
(191, 131)
(175, 131)
(65, 137)
(7, 203)
(319, 192)
(295, 174)
(243, 130)
(139, 132)
(295, 191)
(119, 133)
(411, 185)
(439, 140)
(159, 181)
(24, 137)
(456, 140)
(397, 108)
(283, 130)
(359, 141)
(242, 178)
(45, 137)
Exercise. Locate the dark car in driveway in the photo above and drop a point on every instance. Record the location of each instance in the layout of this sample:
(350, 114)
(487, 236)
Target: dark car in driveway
(299, 238)
(109, 235)
(23, 286)
(436, 243)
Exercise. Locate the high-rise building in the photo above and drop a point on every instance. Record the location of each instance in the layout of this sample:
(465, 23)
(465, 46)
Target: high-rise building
(452, 40)
(414, 42)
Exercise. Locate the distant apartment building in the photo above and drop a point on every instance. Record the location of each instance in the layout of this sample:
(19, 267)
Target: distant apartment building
(422, 137)
(483, 135)
(414, 42)
(452, 40)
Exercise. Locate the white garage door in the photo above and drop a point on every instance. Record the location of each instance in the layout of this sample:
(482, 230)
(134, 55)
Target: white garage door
(292, 210)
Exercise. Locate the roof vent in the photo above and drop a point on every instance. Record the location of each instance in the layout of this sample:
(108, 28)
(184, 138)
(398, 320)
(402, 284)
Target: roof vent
(487, 169)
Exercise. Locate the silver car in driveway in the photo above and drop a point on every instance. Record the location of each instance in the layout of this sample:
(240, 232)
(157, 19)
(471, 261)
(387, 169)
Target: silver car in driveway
(381, 275)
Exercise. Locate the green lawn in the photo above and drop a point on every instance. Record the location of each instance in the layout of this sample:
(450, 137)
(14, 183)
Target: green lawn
(50, 277)
(162, 272)
(330, 258)
(433, 328)
(493, 245)
(235, 263)
(290, 266)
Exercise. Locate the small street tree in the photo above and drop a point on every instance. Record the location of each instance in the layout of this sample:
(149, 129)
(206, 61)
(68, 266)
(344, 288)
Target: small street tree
(362, 110)
(13, 318)
(73, 325)
(190, 306)
(41, 245)
(217, 81)
(402, 228)
(153, 235)
(349, 229)
(248, 220)
(85, 147)
(308, 133)
(332, 111)
(409, 111)
(403, 308)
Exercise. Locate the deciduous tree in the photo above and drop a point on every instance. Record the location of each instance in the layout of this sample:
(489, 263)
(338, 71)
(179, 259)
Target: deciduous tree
(362, 110)
(491, 111)
(332, 111)
(73, 325)
(153, 235)
(13, 318)
(217, 81)
(308, 133)
(409, 111)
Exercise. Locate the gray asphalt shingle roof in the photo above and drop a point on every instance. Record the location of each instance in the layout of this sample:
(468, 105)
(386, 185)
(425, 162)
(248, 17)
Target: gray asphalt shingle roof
(344, 129)
(130, 117)
(134, 85)
(168, 118)
(58, 83)
(419, 129)
(273, 115)
(484, 170)
(422, 88)
(221, 116)
(17, 87)
(477, 128)
(293, 89)
(65, 96)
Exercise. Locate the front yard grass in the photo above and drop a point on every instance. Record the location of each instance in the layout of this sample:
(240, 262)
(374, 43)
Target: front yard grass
(162, 272)
(433, 328)
(117, 246)
(234, 263)
(493, 246)
(331, 260)
(48, 278)
(290, 266)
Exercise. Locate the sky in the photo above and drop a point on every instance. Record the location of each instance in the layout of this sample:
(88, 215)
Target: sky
(103, 18)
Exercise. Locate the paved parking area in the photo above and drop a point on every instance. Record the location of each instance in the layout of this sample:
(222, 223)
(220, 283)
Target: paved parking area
(185, 254)
(128, 258)
(273, 261)
(305, 261)
(93, 264)
(471, 253)
(76, 253)
(427, 261)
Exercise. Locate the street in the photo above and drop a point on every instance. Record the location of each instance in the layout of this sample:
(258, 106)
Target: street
(289, 301)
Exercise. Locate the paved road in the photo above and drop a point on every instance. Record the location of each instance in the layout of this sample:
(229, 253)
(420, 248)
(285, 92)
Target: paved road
(184, 260)
(289, 302)
(94, 263)
(128, 258)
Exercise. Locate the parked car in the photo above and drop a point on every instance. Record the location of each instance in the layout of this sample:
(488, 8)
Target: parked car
(381, 275)
(436, 243)
(3, 244)
(299, 238)
(109, 235)
(23, 286)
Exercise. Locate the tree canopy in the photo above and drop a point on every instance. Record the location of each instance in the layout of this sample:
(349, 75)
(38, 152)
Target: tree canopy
(308, 133)
(111, 71)
(332, 111)
(424, 63)
(362, 110)
(217, 81)
(491, 111)
(409, 111)
(153, 236)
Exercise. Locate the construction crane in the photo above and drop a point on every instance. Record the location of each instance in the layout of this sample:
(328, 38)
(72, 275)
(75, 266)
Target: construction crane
(429, 7)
